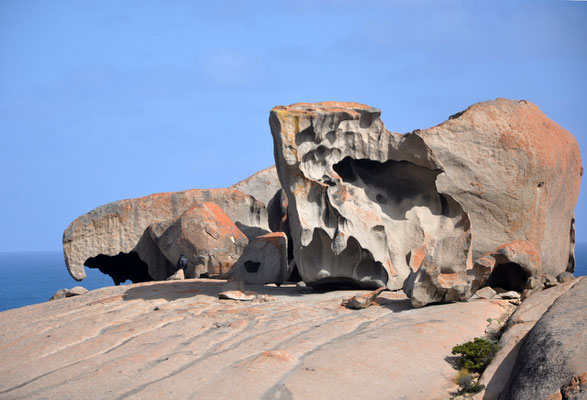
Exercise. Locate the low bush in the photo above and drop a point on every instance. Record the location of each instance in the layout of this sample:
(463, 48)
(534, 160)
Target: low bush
(475, 356)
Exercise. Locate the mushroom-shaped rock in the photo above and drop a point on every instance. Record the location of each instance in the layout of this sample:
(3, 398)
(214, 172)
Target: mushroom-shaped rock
(205, 235)
(264, 260)
(109, 233)
(364, 203)
(261, 185)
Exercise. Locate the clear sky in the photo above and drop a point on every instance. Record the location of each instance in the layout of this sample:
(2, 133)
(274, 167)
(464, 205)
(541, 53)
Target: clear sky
(106, 100)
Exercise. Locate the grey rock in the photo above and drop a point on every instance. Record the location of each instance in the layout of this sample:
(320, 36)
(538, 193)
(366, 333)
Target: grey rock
(565, 277)
(264, 260)
(60, 294)
(76, 291)
(486, 293)
(510, 295)
(497, 374)
(178, 276)
(549, 281)
(261, 185)
(553, 352)
(369, 205)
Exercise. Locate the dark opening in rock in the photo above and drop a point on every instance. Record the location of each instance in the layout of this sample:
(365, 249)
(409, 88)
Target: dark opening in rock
(509, 276)
(252, 267)
(122, 267)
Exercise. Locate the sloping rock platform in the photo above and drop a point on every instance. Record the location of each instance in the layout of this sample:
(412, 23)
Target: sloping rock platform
(178, 340)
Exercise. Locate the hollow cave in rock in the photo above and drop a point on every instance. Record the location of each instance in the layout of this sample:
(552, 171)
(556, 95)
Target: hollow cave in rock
(508, 276)
(122, 267)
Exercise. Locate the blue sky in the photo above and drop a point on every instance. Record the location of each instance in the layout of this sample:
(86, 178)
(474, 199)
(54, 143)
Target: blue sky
(105, 100)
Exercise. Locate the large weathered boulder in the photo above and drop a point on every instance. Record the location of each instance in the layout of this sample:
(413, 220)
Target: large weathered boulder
(205, 235)
(554, 350)
(261, 185)
(264, 260)
(369, 205)
(117, 230)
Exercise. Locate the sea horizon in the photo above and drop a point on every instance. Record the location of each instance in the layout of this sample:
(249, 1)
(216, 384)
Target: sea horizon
(31, 277)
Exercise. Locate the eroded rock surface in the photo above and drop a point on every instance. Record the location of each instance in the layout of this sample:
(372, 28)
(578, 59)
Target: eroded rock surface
(262, 185)
(176, 339)
(113, 238)
(554, 350)
(205, 235)
(369, 206)
(264, 260)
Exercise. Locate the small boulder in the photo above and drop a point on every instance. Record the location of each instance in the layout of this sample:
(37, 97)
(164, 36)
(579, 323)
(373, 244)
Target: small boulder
(178, 276)
(363, 300)
(486, 293)
(549, 281)
(237, 295)
(509, 295)
(565, 277)
(76, 291)
(63, 293)
(60, 294)
(264, 260)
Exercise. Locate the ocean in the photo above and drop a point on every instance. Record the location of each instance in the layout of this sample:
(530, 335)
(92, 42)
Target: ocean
(33, 277)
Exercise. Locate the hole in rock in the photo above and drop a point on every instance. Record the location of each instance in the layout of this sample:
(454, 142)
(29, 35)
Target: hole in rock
(122, 267)
(397, 186)
(508, 276)
(252, 267)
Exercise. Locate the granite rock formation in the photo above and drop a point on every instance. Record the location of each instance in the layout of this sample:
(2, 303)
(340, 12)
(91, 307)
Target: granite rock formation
(177, 340)
(261, 185)
(113, 237)
(371, 206)
(264, 260)
(554, 350)
(205, 235)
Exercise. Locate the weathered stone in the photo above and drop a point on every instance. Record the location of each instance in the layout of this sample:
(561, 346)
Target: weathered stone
(264, 260)
(76, 291)
(515, 262)
(205, 235)
(178, 276)
(116, 230)
(368, 205)
(364, 300)
(549, 280)
(554, 350)
(430, 285)
(486, 293)
(262, 185)
(510, 295)
(278, 222)
(60, 294)
(565, 277)
(496, 376)
(63, 293)
(237, 295)
(110, 343)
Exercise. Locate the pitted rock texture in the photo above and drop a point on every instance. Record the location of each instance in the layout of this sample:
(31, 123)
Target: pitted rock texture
(264, 260)
(177, 340)
(368, 205)
(262, 185)
(118, 229)
(205, 235)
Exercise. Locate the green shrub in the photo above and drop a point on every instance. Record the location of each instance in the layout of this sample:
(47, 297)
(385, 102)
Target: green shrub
(476, 355)
(467, 382)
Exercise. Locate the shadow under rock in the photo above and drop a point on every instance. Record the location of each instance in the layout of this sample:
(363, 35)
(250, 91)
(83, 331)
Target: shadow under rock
(395, 305)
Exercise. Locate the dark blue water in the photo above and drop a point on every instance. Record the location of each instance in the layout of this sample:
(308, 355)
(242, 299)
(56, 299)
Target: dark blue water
(32, 277)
